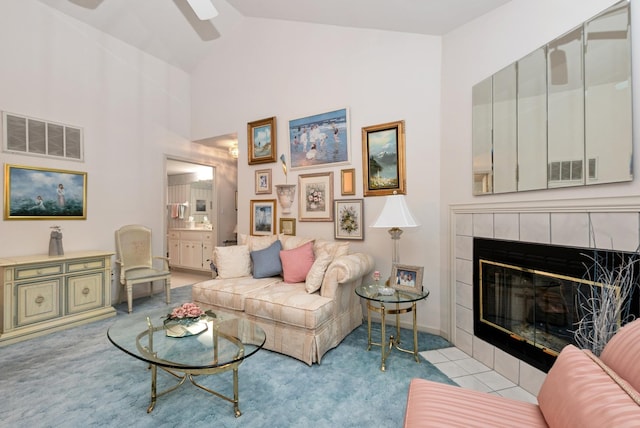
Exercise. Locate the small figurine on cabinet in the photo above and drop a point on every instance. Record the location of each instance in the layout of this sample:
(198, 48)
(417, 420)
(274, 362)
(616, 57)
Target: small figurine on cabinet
(55, 242)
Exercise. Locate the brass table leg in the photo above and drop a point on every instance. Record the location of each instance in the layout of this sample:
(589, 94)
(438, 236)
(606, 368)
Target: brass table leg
(154, 373)
(383, 339)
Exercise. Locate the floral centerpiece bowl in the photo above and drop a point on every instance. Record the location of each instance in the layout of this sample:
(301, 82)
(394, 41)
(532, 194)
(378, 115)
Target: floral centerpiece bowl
(182, 321)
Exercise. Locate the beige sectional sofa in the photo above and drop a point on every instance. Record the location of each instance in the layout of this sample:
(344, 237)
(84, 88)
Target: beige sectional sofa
(580, 390)
(303, 318)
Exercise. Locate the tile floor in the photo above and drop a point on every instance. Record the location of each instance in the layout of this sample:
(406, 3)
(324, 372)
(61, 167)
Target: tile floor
(472, 374)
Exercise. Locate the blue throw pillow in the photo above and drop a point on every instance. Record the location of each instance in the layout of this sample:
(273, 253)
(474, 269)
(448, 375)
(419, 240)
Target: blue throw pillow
(266, 263)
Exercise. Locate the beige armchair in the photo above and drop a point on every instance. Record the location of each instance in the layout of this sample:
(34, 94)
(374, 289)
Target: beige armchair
(133, 246)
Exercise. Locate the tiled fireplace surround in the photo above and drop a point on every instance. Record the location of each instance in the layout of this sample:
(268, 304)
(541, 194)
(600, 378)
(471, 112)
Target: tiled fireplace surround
(613, 224)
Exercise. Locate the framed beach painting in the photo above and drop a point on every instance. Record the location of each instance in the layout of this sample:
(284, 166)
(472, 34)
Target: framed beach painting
(261, 141)
(316, 196)
(263, 217)
(319, 140)
(407, 278)
(349, 215)
(383, 159)
(32, 193)
(263, 181)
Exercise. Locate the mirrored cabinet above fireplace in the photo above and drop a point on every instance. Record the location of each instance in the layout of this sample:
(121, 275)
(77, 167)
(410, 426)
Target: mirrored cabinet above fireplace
(561, 116)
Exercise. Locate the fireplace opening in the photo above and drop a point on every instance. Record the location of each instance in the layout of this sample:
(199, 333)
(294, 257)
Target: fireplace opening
(528, 298)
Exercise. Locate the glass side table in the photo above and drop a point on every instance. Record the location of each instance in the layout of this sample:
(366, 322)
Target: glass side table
(390, 304)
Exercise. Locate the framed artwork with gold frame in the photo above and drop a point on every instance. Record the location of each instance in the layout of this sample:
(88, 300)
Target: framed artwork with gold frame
(383, 159)
(263, 181)
(288, 226)
(261, 141)
(348, 182)
(34, 193)
(263, 217)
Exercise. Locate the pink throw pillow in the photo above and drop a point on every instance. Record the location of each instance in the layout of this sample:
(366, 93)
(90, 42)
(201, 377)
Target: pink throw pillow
(297, 262)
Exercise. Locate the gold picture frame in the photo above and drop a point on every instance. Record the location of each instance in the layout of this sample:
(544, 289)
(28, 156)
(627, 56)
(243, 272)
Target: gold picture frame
(407, 278)
(288, 226)
(263, 182)
(262, 141)
(383, 159)
(263, 217)
(316, 197)
(348, 182)
(34, 193)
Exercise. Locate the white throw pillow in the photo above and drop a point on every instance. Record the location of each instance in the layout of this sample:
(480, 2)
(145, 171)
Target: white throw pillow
(233, 261)
(316, 273)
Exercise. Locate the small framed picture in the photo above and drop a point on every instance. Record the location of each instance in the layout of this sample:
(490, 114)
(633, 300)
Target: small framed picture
(316, 196)
(263, 182)
(263, 217)
(348, 182)
(349, 219)
(261, 141)
(288, 226)
(407, 278)
(383, 163)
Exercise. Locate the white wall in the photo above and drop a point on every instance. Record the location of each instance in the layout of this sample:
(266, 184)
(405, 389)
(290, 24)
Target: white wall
(291, 70)
(133, 109)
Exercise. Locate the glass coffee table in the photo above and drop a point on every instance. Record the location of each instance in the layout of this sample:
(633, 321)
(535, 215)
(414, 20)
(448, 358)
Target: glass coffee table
(216, 344)
(390, 304)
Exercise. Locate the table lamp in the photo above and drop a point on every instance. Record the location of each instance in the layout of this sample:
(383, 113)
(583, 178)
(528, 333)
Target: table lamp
(395, 215)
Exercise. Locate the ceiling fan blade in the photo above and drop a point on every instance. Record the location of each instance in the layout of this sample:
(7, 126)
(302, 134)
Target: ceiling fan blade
(203, 9)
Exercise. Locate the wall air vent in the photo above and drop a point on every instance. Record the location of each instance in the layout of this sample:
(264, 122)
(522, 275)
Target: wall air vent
(39, 137)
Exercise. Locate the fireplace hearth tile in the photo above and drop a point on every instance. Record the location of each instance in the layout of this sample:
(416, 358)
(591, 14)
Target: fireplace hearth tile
(615, 230)
(570, 229)
(472, 382)
(535, 227)
(454, 354)
(495, 381)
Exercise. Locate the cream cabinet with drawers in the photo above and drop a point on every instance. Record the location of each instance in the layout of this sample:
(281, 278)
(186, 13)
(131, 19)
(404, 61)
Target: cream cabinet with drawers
(41, 293)
(190, 248)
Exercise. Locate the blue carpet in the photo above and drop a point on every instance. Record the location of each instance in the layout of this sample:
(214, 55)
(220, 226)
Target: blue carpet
(78, 378)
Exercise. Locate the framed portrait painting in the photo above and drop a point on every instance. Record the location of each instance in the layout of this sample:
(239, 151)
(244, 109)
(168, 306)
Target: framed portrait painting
(263, 181)
(32, 193)
(261, 141)
(319, 140)
(407, 278)
(263, 217)
(349, 219)
(316, 197)
(383, 159)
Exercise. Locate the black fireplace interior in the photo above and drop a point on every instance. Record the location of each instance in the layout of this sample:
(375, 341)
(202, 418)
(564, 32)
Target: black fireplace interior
(526, 296)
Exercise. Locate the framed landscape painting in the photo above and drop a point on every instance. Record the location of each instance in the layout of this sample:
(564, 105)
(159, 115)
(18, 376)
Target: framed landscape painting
(261, 141)
(383, 159)
(32, 193)
(319, 140)
(263, 217)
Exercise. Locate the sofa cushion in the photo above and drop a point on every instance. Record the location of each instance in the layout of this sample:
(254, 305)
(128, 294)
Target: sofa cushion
(290, 242)
(297, 262)
(233, 261)
(229, 293)
(621, 353)
(290, 304)
(334, 249)
(256, 243)
(578, 392)
(432, 404)
(314, 278)
(266, 262)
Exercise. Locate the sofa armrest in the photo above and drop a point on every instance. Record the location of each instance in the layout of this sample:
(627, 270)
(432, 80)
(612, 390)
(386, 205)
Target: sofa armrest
(345, 269)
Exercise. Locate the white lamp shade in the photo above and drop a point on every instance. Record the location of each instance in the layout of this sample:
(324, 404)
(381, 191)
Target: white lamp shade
(203, 9)
(395, 213)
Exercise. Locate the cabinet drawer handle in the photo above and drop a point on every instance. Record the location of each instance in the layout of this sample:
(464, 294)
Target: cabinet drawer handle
(39, 300)
(86, 291)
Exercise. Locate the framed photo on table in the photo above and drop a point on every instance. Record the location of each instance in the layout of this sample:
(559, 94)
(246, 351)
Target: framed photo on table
(263, 181)
(349, 219)
(316, 197)
(407, 278)
(383, 159)
(319, 140)
(263, 217)
(33, 193)
(261, 141)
